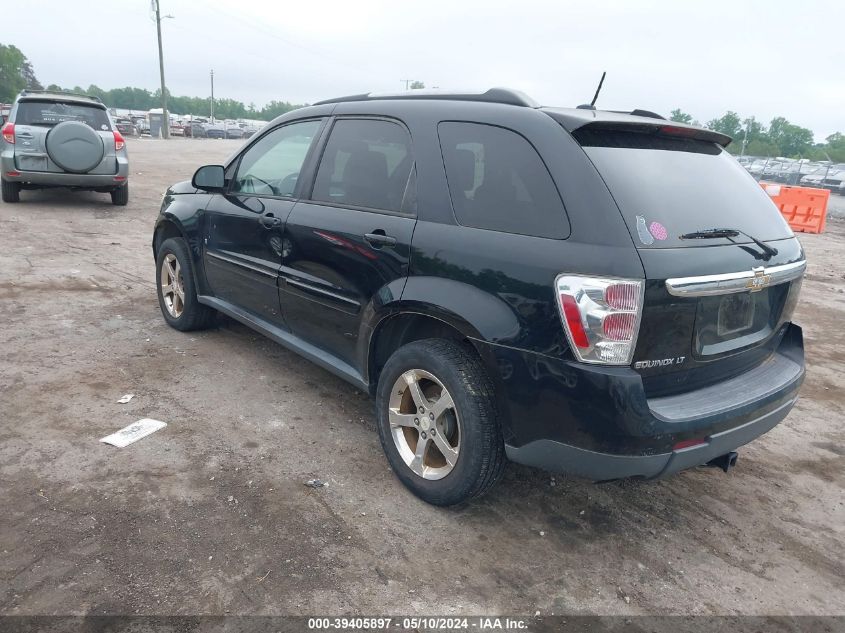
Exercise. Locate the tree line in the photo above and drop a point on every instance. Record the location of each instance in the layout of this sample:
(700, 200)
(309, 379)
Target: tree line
(16, 74)
(779, 138)
(130, 98)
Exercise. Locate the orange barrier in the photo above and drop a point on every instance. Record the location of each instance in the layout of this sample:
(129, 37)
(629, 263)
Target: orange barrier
(804, 208)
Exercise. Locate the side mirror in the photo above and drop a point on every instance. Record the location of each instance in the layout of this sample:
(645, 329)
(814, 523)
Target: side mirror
(210, 178)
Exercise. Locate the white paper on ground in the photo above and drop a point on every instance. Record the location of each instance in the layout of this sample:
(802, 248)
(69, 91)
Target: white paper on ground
(133, 432)
(126, 398)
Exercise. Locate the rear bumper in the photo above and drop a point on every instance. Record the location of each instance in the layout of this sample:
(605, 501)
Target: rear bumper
(598, 422)
(63, 179)
(559, 457)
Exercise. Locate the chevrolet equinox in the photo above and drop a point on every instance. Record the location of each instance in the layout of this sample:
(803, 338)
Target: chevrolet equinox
(600, 293)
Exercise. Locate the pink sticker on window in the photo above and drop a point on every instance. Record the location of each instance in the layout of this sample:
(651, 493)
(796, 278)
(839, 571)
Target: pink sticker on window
(658, 231)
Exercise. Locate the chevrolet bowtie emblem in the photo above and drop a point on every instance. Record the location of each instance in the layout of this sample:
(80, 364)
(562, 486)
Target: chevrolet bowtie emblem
(759, 281)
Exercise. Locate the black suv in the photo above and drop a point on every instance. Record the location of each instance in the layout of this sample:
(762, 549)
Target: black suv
(601, 293)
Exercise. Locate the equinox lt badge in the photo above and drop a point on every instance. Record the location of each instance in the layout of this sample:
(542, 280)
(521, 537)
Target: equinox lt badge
(663, 362)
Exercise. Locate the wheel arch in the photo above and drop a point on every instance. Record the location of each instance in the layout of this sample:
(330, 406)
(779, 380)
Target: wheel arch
(168, 226)
(165, 228)
(410, 321)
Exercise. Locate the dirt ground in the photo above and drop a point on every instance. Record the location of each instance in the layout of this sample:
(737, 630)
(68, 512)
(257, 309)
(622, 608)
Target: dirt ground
(211, 515)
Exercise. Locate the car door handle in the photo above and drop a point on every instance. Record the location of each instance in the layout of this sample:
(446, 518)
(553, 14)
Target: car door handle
(377, 239)
(269, 221)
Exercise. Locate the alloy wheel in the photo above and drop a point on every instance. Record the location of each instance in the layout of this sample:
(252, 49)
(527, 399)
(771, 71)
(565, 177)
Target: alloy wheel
(172, 286)
(424, 423)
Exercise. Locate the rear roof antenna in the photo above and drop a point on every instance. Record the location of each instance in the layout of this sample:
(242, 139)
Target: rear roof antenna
(592, 105)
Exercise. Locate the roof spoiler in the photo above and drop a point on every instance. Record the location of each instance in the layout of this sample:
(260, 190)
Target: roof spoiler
(669, 129)
(28, 91)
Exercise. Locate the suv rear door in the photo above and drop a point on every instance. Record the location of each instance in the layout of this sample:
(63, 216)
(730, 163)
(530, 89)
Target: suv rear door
(350, 244)
(34, 118)
(714, 306)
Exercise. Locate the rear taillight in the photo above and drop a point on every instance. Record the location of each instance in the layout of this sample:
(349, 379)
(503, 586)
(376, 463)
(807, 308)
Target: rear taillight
(601, 317)
(119, 143)
(9, 133)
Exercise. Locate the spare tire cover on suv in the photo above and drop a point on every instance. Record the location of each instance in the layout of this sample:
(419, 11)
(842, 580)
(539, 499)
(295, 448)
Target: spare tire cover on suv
(75, 147)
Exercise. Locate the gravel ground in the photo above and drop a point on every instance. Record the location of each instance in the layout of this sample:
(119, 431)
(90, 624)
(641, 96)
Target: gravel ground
(211, 515)
(836, 206)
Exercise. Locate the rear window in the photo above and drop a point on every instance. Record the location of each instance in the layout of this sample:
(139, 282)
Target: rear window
(498, 181)
(50, 113)
(666, 187)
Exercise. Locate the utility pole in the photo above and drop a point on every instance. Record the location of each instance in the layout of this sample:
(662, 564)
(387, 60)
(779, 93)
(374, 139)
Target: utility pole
(748, 122)
(212, 95)
(165, 130)
(407, 82)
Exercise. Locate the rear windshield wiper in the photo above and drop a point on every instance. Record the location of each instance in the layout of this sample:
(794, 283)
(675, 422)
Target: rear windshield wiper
(708, 234)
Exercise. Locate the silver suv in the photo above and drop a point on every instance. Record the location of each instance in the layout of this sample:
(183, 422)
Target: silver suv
(57, 139)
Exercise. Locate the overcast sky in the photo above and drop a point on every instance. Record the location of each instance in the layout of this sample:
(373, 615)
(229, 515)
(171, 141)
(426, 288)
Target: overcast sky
(758, 58)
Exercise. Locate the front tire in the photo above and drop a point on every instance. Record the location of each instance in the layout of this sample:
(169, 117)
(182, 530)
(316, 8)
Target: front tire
(120, 196)
(11, 191)
(438, 422)
(177, 294)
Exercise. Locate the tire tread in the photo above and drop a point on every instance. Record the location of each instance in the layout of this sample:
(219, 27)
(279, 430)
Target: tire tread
(478, 386)
(11, 191)
(120, 196)
(195, 316)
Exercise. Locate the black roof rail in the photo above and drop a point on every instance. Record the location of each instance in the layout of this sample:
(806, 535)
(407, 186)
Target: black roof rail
(29, 91)
(493, 95)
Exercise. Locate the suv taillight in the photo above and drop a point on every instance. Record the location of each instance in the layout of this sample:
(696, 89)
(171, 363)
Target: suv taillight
(119, 143)
(601, 317)
(9, 133)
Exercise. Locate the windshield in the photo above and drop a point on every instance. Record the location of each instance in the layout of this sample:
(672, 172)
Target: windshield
(50, 113)
(666, 187)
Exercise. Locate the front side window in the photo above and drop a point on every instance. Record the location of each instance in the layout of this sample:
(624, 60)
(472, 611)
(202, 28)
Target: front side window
(366, 163)
(271, 166)
(497, 181)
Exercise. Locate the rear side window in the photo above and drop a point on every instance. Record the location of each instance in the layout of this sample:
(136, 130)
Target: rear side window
(50, 113)
(668, 186)
(366, 163)
(498, 181)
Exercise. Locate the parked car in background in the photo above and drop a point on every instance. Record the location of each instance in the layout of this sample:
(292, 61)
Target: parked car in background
(599, 293)
(234, 132)
(62, 140)
(177, 129)
(771, 170)
(142, 125)
(126, 127)
(195, 130)
(249, 131)
(756, 168)
(826, 178)
(215, 131)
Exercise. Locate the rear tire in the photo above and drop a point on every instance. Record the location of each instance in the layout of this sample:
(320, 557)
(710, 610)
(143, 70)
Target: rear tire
(178, 301)
(11, 191)
(441, 369)
(120, 196)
